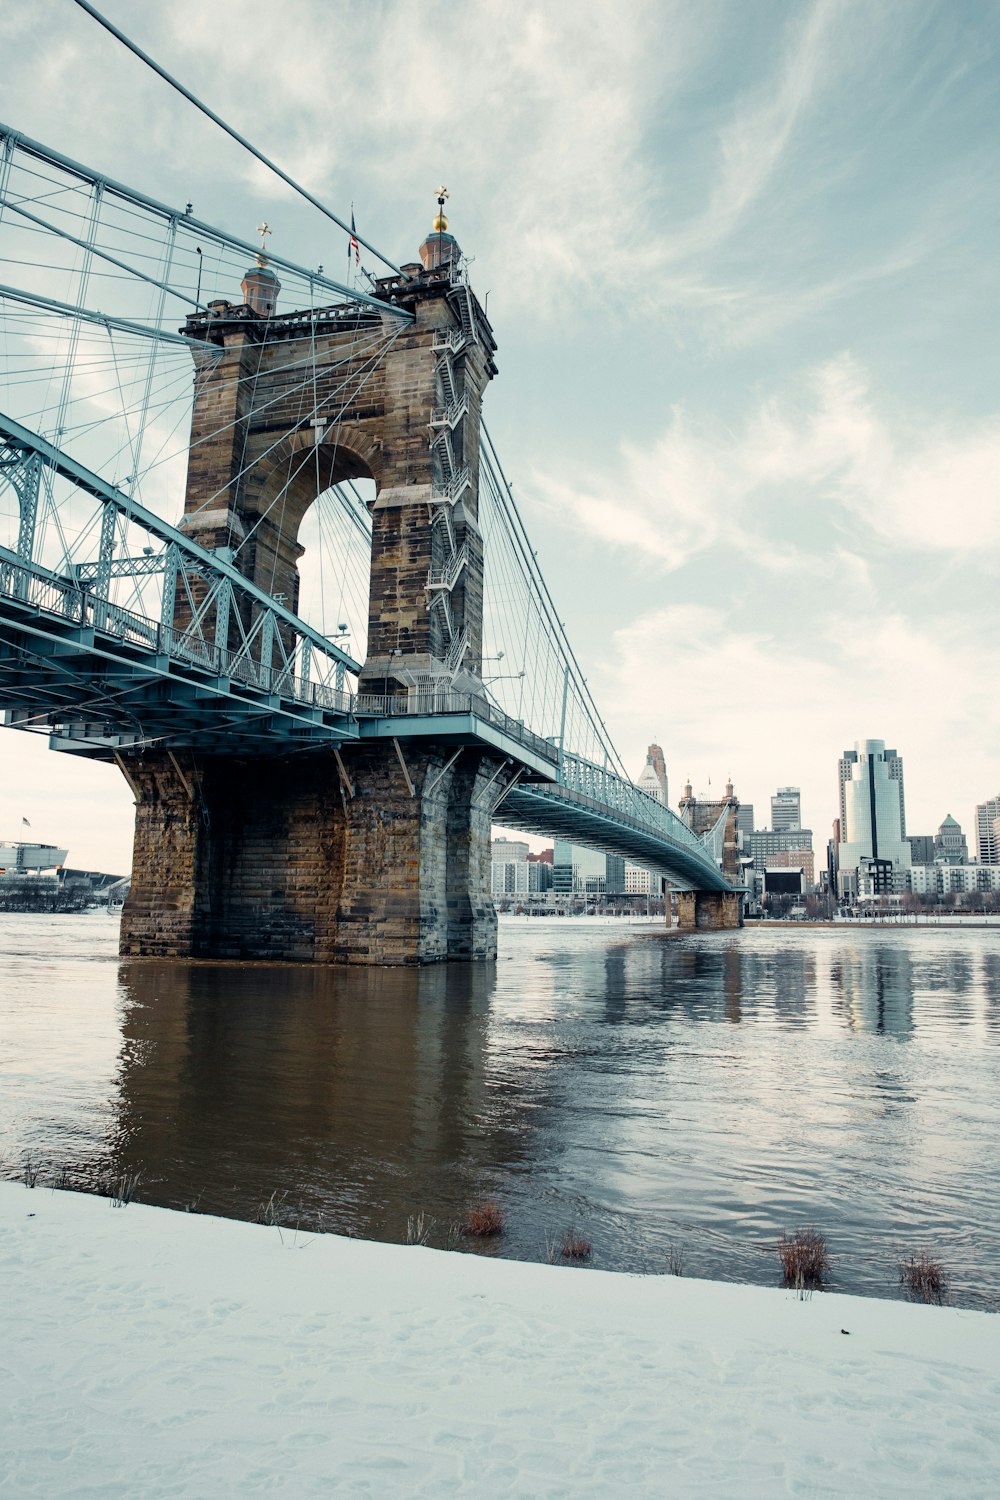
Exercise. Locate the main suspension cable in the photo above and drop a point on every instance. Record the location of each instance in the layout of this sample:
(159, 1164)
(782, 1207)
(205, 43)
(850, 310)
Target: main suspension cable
(217, 120)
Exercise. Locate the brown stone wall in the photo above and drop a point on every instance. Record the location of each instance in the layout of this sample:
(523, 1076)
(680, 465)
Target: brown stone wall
(275, 859)
(163, 911)
(709, 911)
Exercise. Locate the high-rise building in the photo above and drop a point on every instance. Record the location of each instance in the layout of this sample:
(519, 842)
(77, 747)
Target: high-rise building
(614, 875)
(504, 851)
(874, 854)
(653, 776)
(573, 866)
(921, 848)
(786, 808)
(744, 822)
(520, 877)
(988, 831)
(894, 770)
(950, 846)
(784, 848)
(641, 882)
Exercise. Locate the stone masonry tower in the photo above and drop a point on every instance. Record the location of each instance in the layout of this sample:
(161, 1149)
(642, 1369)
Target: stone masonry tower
(369, 858)
(713, 909)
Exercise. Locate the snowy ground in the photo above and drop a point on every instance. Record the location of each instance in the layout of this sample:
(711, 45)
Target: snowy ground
(149, 1354)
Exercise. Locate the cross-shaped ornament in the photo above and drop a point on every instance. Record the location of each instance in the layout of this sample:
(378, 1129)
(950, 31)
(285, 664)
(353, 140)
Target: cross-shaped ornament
(262, 230)
(442, 195)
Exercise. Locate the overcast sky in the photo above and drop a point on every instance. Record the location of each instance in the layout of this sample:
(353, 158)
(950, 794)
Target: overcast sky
(742, 269)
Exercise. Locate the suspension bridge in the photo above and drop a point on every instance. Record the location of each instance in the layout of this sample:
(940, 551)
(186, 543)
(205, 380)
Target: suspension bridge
(259, 551)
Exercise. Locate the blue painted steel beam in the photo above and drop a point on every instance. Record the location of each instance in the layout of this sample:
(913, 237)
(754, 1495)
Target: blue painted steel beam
(220, 237)
(456, 729)
(86, 480)
(104, 320)
(551, 812)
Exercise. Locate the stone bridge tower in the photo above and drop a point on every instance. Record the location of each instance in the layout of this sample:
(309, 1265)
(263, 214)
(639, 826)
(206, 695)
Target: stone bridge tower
(713, 909)
(362, 857)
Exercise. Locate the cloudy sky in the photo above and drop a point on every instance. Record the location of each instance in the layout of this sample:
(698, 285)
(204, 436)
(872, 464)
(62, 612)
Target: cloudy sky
(741, 264)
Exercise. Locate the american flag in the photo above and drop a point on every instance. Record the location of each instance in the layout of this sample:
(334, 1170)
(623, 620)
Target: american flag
(353, 246)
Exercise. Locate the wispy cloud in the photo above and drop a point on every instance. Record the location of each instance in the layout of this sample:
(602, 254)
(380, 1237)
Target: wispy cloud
(754, 141)
(814, 469)
(766, 708)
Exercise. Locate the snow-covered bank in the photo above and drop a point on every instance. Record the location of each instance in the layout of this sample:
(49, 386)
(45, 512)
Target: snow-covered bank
(154, 1354)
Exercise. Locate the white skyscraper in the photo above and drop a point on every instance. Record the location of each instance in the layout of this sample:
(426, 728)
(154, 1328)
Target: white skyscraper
(894, 770)
(988, 831)
(874, 850)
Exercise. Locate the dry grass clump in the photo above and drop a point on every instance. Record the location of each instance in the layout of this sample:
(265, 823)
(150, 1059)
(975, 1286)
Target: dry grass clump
(418, 1228)
(272, 1212)
(575, 1246)
(121, 1188)
(804, 1261)
(923, 1279)
(484, 1220)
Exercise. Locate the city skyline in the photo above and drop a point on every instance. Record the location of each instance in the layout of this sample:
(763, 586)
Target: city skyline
(737, 265)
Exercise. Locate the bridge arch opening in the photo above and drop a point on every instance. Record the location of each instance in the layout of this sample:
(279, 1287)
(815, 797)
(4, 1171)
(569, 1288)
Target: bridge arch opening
(307, 540)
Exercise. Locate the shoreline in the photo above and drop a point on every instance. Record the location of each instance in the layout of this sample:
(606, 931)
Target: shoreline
(162, 1353)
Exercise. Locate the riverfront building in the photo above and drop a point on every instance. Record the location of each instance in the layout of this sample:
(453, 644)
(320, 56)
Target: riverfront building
(873, 857)
(950, 846)
(17, 858)
(954, 880)
(988, 831)
(786, 808)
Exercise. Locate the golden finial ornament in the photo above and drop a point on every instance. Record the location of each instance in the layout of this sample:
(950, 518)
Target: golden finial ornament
(263, 230)
(440, 222)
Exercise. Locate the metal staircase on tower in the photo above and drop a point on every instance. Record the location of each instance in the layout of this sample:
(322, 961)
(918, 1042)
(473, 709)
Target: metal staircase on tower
(451, 479)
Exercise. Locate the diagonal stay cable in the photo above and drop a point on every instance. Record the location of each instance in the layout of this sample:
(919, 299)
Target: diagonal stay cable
(372, 362)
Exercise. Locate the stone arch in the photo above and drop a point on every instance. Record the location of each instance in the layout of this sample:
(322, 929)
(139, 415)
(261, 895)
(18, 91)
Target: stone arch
(287, 480)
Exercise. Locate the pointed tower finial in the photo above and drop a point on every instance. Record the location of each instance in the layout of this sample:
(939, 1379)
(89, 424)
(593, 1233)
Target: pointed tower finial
(440, 247)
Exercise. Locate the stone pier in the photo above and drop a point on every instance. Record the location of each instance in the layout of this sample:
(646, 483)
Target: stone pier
(709, 911)
(712, 911)
(279, 859)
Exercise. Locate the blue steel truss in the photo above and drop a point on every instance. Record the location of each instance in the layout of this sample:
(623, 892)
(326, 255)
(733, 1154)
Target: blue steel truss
(593, 806)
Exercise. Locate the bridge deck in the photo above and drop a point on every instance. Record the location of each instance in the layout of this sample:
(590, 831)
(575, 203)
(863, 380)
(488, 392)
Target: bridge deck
(562, 812)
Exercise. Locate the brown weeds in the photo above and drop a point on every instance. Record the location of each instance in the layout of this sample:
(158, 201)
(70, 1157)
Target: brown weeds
(575, 1246)
(484, 1220)
(923, 1279)
(804, 1261)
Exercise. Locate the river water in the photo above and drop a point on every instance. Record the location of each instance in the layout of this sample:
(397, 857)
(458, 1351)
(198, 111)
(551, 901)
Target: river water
(668, 1097)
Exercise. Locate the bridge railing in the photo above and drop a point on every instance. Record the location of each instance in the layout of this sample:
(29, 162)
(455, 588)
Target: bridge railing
(606, 789)
(446, 700)
(76, 605)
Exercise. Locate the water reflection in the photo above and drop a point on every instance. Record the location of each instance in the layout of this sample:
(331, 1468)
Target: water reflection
(873, 988)
(707, 1091)
(362, 1094)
